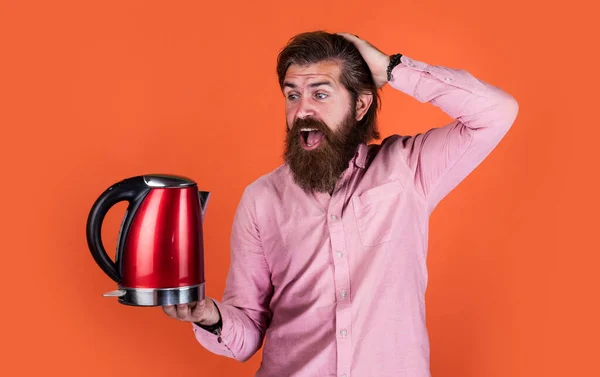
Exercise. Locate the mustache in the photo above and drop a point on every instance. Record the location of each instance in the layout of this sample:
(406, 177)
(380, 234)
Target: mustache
(316, 124)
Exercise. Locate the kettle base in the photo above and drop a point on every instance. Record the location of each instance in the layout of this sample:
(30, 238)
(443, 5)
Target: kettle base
(159, 296)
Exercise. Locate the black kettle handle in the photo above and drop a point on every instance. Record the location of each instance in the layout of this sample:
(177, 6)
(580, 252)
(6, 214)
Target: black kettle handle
(125, 190)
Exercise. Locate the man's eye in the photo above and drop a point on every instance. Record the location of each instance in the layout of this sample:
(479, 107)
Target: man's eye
(292, 97)
(321, 95)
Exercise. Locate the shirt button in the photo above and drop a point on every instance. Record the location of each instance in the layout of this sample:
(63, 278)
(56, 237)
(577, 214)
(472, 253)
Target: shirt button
(343, 294)
(339, 254)
(448, 79)
(333, 217)
(344, 375)
(343, 332)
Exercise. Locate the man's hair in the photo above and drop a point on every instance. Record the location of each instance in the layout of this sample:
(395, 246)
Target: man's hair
(317, 46)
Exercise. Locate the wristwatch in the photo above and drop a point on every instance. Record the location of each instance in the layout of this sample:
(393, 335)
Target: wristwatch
(215, 329)
(394, 61)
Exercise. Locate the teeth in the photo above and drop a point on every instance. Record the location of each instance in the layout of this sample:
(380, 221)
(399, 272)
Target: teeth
(308, 129)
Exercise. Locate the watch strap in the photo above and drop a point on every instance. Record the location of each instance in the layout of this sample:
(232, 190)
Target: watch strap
(394, 61)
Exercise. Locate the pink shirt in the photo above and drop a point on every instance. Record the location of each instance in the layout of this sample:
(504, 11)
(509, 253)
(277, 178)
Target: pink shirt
(336, 285)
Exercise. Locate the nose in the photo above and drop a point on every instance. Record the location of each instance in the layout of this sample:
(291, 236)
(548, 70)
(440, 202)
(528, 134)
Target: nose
(305, 108)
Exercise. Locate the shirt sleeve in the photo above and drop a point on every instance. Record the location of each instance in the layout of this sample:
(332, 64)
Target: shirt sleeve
(441, 158)
(245, 305)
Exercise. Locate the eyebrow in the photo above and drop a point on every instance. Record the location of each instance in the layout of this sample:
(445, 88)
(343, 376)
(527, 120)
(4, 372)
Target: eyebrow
(312, 85)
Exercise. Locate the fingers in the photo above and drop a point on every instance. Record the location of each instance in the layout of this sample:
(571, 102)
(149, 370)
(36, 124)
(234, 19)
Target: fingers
(170, 311)
(348, 36)
(181, 312)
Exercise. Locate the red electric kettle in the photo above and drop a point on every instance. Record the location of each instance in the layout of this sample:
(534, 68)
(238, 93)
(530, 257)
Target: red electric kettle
(160, 250)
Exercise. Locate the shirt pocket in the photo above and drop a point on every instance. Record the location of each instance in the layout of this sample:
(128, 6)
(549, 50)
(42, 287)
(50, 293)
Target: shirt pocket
(376, 211)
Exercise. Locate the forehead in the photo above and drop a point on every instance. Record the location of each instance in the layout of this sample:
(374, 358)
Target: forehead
(329, 70)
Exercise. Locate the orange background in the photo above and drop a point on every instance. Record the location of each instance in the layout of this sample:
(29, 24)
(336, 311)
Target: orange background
(93, 93)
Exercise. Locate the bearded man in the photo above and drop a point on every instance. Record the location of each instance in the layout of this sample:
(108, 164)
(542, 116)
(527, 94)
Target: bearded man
(328, 251)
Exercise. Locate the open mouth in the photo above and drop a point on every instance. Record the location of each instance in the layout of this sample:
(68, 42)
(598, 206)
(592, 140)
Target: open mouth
(310, 138)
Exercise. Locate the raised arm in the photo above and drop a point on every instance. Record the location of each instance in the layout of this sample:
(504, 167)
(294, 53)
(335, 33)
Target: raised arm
(442, 157)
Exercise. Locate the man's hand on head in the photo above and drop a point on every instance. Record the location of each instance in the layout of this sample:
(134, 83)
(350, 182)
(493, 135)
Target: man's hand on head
(376, 60)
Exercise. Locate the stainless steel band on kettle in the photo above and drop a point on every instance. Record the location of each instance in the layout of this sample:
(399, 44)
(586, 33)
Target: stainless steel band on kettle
(157, 296)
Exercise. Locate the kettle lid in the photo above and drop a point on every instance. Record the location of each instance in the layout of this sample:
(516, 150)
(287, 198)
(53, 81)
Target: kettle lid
(167, 180)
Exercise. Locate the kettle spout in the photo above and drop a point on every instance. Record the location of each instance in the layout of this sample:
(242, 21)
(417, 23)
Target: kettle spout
(203, 195)
(116, 293)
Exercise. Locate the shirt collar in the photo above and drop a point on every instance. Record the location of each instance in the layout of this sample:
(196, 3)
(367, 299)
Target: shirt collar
(361, 156)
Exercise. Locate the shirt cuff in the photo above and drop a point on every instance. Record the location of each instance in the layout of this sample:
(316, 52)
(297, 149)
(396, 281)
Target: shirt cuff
(411, 75)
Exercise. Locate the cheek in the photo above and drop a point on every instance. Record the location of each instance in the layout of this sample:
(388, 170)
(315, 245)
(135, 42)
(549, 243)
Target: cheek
(332, 119)
(289, 115)
(335, 113)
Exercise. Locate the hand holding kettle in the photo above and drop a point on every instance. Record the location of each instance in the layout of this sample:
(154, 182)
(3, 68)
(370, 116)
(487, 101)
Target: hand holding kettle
(203, 312)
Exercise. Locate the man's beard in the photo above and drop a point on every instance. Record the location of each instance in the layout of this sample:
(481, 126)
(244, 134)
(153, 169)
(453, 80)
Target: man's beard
(321, 168)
